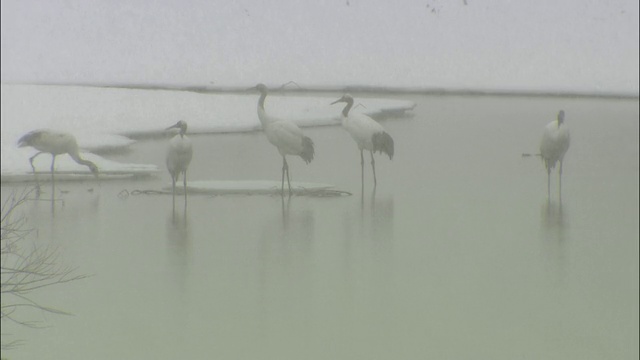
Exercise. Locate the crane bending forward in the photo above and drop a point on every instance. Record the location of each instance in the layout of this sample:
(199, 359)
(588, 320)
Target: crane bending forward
(55, 143)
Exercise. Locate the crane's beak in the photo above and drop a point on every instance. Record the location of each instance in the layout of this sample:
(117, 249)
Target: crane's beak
(337, 101)
(252, 88)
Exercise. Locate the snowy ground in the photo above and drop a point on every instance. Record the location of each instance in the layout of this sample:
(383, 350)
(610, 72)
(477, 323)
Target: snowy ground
(111, 118)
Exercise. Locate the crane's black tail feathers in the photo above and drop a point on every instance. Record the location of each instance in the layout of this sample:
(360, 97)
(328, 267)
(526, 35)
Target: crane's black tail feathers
(384, 143)
(307, 149)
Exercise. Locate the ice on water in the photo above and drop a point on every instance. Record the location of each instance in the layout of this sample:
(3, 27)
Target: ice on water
(109, 118)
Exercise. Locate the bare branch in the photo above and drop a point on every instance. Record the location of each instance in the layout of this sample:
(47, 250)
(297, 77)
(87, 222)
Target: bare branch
(25, 268)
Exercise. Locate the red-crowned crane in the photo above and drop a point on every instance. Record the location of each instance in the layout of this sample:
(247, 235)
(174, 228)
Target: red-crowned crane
(285, 135)
(553, 146)
(367, 133)
(179, 157)
(54, 143)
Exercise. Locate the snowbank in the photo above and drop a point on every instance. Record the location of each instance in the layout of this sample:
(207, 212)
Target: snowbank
(108, 118)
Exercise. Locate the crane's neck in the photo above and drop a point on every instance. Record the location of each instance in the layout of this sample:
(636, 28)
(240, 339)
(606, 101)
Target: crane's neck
(84, 162)
(345, 111)
(263, 96)
(262, 114)
(76, 157)
(560, 118)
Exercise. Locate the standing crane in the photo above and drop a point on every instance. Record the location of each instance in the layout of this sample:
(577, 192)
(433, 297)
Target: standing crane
(179, 157)
(553, 147)
(367, 133)
(285, 135)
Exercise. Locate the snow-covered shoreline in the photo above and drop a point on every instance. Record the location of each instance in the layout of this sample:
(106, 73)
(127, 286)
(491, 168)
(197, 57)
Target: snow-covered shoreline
(109, 118)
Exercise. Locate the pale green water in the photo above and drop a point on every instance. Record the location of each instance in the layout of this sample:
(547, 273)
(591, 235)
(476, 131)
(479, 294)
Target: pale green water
(456, 256)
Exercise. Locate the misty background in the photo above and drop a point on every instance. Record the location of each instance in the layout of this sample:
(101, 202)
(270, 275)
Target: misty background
(571, 45)
(463, 249)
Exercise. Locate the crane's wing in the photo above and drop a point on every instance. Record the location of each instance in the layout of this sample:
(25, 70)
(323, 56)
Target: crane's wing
(286, 136)
(50, 141)
(362, 129)
(179, 154)
(554, 143)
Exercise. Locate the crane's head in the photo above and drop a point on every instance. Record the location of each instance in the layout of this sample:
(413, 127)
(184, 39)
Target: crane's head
(182, 125)
(345, 98)
(560, 117)
(94, 169)
(260, 87)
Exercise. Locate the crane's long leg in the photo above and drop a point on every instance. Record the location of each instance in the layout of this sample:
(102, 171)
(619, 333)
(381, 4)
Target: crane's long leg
(34, 173)
(560, 182)
(284, 166)
(361, 170)
(31, 161)
(548, 182)
(284, 219)
(173, 188)
(288, 179)
(184, 180)
(373, 166)
(53, 198)
(53, 161)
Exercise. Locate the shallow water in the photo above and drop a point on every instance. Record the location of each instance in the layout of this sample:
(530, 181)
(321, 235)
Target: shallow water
(457, 254)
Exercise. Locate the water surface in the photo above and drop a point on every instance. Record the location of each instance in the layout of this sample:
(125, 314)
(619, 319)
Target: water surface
(457, 254)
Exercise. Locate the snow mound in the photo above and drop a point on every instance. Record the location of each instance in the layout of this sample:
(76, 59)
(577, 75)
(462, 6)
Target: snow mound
(104, 119)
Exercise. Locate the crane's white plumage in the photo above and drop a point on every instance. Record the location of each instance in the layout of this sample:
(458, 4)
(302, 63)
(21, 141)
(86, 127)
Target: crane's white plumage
(554, 145)
(179, 156)
(54, 143)
(284, 135)
(367, 133)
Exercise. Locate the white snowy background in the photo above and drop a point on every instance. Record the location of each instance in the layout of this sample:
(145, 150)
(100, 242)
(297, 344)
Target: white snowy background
(542, 45)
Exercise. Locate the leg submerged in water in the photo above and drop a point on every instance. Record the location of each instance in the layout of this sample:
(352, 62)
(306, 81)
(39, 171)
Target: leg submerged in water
(173, 190)
(373, 166)
(284, 168)
(53, 161)
(184, 180)
(560, 181)
(288, 178)
(362, 169)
